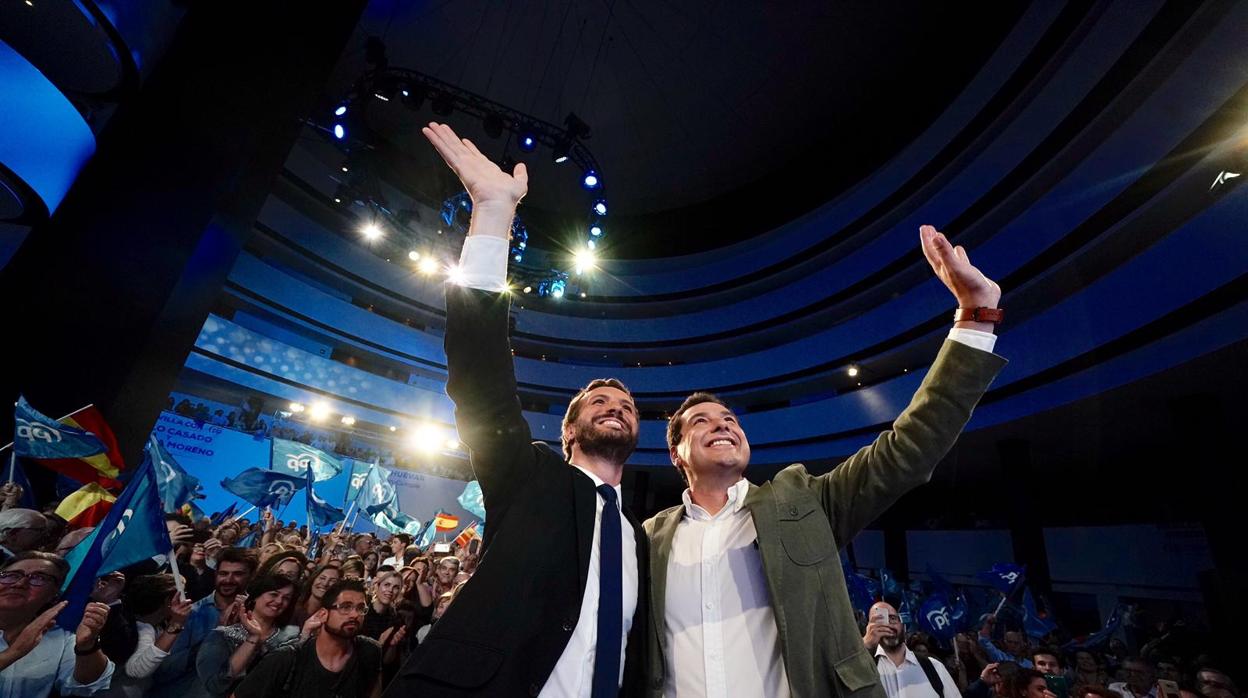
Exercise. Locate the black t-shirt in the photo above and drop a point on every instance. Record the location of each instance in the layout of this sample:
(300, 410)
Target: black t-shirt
(297, 672)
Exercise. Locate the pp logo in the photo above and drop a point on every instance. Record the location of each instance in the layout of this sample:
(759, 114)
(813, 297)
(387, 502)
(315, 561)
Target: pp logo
(300, 462)
(357, 480)
(281, 490)
(1010, 577)
(939, 618)
(33, 431)
(379, 491)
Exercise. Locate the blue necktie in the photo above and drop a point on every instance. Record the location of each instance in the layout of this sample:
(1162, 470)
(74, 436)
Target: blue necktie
(610, 599)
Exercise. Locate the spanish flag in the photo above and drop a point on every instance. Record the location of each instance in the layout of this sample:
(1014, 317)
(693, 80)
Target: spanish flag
(445, 522)
(103, 468)
(467, 535)
(87, 506)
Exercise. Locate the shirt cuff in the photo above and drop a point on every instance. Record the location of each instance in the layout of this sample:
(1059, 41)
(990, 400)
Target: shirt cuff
(983, 341)
(483, 263)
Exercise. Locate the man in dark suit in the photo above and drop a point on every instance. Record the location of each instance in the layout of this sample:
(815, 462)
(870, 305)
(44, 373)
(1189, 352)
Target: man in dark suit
(557, 604)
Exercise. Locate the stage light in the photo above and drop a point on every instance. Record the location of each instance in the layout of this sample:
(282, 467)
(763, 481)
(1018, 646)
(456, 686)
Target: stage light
(556, 288)
(590, 180)
(853, 371)
(425, 438)
(582, 294)
(428, 265)
(342, 109)
(595, 230)
(591, 244)
(452, 444)
(297, 407)
(319, 411)
(345, 168)
(393, 428)
(455, 275)
(339, 132)
(348, 420)
(600, 207)
(528, 289)
(371, 231)
(528, 142)
(584, 260)
(562, 149)
(414, 256)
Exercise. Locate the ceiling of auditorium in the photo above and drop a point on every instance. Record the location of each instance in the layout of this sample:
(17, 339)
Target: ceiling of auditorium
(695, 107)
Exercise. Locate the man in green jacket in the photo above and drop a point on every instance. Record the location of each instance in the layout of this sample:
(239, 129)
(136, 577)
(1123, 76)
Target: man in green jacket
(747, 590)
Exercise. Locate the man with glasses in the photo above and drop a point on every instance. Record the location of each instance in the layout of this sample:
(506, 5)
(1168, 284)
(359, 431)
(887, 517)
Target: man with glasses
(339, 662)
(903, 674)
(36, 656)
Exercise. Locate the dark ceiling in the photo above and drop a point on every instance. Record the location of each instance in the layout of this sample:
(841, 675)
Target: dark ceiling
(712, 121)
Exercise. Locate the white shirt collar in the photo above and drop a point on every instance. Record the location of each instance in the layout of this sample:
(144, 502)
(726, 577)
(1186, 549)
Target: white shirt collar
(599, 482)
(911, 658)
(736, 500)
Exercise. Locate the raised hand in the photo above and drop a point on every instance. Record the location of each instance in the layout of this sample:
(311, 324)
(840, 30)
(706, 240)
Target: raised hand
(313, 624)
(109, 588)
(29, 638)
(179, 609)
(251, 625)
(954, 269)
(93, 617)
(486, 183)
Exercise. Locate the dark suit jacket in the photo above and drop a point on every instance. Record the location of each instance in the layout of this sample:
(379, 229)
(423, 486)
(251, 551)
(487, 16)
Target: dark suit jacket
(512, 620)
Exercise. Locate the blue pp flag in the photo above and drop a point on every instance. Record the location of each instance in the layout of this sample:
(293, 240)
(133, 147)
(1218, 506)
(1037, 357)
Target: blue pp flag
(133, 531)
(36, 435)
(320, 512)
(377, 493)
(430, 532)
(888, 584)
(358, 471)
(1099, 637)
(294, 458)
(1003, 577)
(1035, 623)
(395, 521)
(263, 488)
(958, 608)
(936, 617)
(246, 541)
(220, 517)
(177, 487)
(472, 500)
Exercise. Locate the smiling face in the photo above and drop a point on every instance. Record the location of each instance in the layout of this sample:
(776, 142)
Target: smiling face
(324, 581)
(387, 587)
(272, 604)
(711, 443)
(602, 422)
(29, 585)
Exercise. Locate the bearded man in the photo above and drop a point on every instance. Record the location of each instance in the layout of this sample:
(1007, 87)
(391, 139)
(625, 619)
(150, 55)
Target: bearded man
(557, 604)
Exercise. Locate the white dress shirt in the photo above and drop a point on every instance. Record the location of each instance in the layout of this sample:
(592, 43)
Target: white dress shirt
(483, 265)
(50, 664)
(909, 680)
(721, 632)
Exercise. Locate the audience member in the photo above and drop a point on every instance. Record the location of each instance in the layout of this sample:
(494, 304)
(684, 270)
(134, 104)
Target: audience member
(903, 672)
(230, 651)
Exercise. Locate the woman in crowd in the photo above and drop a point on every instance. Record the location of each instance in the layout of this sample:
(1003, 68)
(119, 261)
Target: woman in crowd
(309, 602)
(288, 563)
(353, 568)
(231, 651)
(159, 617)
(371, 561)
(383, 613)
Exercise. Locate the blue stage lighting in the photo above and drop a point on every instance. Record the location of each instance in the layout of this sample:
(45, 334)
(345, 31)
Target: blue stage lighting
(600, 207)
(342, 109)
(339, 132)
(591, 244)
(556, 288)
(595, 230)
(527, 142)
(590, 181)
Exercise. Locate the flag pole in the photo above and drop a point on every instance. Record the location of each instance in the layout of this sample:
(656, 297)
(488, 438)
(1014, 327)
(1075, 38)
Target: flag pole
(12, 464)
(245, 513)
(177, 576)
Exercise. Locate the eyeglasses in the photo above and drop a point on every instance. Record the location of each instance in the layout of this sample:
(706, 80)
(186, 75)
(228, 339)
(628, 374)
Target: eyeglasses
(347, 608)
(9, 578)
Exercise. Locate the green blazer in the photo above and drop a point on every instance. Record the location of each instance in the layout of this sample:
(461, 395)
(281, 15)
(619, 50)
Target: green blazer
(803, 520)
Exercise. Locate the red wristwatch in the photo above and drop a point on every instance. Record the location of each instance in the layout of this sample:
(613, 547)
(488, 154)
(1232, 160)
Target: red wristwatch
(993, 315)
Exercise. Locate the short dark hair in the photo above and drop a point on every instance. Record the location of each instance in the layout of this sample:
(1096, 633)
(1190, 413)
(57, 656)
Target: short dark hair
(271, 582)
(574, 407)
(1048, 651)
(676, 425)
(148, 593)
(331, 594)
(62, 567)
(240, 556)
(1017, 686)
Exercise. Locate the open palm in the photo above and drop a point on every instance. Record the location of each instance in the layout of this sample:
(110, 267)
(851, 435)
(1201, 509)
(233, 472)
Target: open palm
(486, 183)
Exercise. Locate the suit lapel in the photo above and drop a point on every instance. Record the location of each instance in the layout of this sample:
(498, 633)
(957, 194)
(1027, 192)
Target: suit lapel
(660, 552)
(584, 500)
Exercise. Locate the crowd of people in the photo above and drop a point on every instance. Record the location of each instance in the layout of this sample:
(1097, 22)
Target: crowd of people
(258, 619)
(247, 621)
